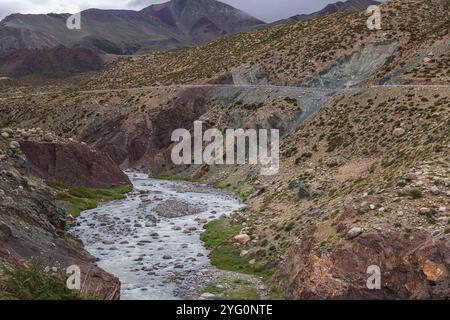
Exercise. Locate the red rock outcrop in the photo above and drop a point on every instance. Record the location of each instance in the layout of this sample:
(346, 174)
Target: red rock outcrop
(73, 163)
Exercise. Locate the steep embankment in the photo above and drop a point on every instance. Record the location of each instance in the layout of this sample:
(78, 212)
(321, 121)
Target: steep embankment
(134, 127)
(323, 53)
(32, 222)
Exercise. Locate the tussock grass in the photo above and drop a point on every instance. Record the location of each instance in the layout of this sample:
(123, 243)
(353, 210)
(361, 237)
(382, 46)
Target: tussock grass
(30, 283)
(77, 199)
(233, 290)
(218, 237)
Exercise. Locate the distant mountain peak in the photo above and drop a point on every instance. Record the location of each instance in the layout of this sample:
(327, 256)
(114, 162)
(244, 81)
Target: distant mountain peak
(158, 27)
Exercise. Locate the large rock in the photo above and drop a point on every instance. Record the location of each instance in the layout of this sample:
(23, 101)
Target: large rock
(73, 163)
(304, 190)
(411, 268)
(398, 132)
(354, 232)
(242, 238)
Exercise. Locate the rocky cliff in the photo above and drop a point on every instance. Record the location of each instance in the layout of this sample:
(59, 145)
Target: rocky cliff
(32, 224)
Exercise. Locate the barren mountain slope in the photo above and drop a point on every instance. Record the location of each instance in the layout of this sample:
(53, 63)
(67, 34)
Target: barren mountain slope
(293, 53)
(364, 182)
(54, 62)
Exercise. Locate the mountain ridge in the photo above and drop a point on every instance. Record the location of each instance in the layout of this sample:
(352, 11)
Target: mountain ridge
(337, 7)
(165, 26)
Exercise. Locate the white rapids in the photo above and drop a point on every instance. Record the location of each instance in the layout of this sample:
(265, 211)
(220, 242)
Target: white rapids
(151, 239)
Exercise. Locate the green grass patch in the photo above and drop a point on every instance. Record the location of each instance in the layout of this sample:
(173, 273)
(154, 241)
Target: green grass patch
(233, 290)
(76, 199)
(218, 237)
(243, 191)
(32, 284)
(275, 293)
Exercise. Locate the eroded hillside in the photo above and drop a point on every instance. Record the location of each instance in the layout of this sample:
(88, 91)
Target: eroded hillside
(364, 182)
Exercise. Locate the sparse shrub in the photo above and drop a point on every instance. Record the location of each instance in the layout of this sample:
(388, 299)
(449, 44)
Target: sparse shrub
(416, 193)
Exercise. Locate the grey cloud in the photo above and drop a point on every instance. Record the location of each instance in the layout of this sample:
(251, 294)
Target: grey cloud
(267, 10)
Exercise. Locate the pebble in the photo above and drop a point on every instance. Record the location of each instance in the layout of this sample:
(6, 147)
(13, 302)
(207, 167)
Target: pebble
(207, 295)
(14, 145)
(172, 263)
(435, 190)
(410, 176)
(243, 253)
(398, 132)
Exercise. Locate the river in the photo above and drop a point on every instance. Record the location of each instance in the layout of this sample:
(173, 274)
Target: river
(151, 239)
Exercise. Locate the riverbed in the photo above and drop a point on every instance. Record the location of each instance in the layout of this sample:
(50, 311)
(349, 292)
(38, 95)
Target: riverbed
(151, 239)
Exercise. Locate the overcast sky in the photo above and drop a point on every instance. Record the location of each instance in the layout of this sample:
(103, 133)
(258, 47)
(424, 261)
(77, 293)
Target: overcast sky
(267, 10)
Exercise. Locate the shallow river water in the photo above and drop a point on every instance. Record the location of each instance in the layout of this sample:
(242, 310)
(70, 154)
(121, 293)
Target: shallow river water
(151, 239)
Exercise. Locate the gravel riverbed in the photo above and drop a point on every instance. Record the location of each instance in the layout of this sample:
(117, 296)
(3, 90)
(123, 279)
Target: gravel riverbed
(151, 239)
